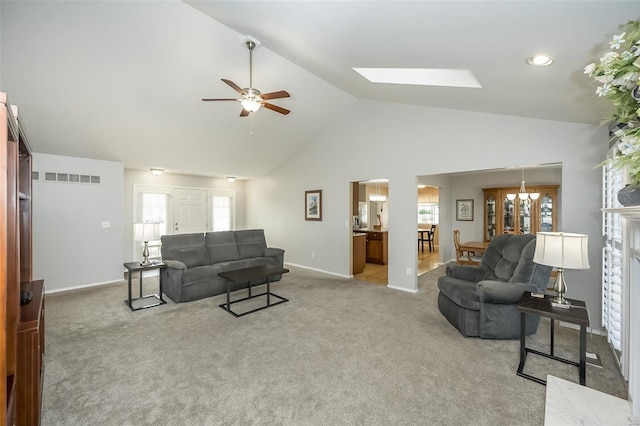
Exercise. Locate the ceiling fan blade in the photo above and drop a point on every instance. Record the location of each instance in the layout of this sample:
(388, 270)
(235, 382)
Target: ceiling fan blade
(275, 108)
(244, 113)
(233, 85)
(275, 95)
(228, 99)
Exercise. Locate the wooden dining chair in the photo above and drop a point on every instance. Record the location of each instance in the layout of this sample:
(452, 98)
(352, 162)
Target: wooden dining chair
(464, 257)
(430, 235)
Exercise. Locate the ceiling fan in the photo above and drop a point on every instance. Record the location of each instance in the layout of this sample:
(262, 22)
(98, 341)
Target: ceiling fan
(250, 98)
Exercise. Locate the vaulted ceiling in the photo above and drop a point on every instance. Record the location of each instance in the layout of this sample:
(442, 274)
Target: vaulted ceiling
(123, 80)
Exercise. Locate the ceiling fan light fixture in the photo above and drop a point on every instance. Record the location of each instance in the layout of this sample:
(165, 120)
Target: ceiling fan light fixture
(250, 105)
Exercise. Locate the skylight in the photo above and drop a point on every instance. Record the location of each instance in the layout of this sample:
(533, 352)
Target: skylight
(420, 76)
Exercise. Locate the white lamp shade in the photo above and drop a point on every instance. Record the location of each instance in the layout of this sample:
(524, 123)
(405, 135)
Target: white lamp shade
(146, 231)
(562, 250)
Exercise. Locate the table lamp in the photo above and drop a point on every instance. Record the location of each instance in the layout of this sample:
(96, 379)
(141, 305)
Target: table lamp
(145, 232)
(561, 250)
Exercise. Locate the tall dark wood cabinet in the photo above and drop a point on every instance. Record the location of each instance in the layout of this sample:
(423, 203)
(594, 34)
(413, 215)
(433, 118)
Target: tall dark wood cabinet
(22, 336)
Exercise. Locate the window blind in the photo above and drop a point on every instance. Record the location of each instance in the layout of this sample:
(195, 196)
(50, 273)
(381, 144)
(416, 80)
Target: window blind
(612, 290)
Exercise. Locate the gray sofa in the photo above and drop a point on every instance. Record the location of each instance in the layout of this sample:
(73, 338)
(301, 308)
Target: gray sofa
(195, 260)
(481, 300)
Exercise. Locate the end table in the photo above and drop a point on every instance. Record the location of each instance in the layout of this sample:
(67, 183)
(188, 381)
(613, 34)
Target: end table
(136, 267)
(542, 306)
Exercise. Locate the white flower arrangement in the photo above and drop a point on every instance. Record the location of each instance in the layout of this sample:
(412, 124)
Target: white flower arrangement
(618, 79)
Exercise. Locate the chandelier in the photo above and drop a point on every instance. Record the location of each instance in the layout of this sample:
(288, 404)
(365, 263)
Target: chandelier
(377, 197)
(523, 195)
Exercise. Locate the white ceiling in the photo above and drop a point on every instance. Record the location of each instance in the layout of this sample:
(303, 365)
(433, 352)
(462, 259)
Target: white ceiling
(491, 38)
(122, 81)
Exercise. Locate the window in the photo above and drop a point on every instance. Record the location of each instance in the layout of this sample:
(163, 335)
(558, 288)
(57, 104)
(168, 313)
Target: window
(222, 209)
(221, 213)
(428, 213)
(154, 209)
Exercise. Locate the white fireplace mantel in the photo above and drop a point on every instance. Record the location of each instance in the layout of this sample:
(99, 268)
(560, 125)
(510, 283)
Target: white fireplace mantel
(631, 301)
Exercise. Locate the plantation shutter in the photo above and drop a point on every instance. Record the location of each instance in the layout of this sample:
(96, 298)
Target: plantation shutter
(612, 291)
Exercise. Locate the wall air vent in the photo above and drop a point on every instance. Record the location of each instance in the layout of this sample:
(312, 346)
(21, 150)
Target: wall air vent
(66, 177)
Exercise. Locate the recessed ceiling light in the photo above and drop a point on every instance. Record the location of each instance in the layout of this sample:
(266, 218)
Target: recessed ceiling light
(420, 76)
(539, 61)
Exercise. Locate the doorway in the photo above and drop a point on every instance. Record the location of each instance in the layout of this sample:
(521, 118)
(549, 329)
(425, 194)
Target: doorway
(428, 228)
(370, 235)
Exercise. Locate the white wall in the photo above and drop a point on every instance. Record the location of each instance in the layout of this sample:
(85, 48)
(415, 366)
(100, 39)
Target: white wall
(132, 177)
(70, 246)
(401, 142)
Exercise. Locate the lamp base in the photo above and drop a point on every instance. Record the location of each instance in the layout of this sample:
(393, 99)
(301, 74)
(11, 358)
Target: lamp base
(560, 288)
(145, 255)
(560, 303)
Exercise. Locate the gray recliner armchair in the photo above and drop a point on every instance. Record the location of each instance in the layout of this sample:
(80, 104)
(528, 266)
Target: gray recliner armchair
(481, 301)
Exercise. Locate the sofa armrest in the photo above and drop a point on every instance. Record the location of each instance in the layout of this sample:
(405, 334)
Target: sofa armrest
(500, 292)
(465, 272)
(175, 264)
(276, 253)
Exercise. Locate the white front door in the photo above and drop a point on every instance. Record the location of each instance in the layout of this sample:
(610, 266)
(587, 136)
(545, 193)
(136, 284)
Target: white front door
(189, 211)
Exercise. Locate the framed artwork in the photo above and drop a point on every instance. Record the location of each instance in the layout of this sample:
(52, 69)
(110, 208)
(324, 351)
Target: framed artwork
(313, 205)
(464, 210)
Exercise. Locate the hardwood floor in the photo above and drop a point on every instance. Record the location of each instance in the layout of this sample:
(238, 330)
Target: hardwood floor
(377, 274)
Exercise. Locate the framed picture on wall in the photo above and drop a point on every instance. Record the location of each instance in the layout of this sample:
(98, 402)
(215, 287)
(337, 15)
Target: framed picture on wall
(464, 210)
(313, 205)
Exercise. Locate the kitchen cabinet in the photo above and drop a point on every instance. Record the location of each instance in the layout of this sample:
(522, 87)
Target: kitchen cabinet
(359, 252)
(377, 247)
(502, 215)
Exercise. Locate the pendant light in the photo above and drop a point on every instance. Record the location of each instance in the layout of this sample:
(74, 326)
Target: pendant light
(523, 195)
(377, 197)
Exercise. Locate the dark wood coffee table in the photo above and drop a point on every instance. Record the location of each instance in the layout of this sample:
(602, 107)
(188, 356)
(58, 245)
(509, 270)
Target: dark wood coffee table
(247, 275)
(542, 307)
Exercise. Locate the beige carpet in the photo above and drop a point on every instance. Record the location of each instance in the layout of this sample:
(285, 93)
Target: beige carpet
(341, 352)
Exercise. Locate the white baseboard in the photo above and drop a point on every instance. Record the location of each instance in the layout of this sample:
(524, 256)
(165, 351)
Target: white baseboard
(402, 289)
(60, 290)
(318, 270)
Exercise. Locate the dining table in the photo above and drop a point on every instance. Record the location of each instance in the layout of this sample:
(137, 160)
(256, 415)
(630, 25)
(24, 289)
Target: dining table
(474, 246)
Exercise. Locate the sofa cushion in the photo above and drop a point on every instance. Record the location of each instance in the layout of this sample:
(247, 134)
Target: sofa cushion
(251, 243)
(221, 246)
(189, 249)
(233, 265)
(503, 255)
(259, 261)
(199, 274)
(462, 293)
(524, 268)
